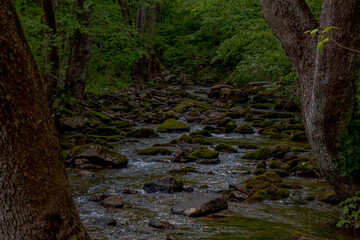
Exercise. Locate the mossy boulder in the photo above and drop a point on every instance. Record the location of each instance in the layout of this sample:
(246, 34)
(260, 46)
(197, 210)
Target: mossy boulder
(99, 155)
(203, 153)
(185, 170)
(277, 115)
(98, 116)
(269, 131)
(245, 129)
(303, 166)
(299, 137)
(222, 147)
(227, 125)
(78, 123)
(142, 133)
(122, 124)
(165, 185)
(277, 151)
(190, 103)
(260, 171)
(275, 164)
(298, 126)
(261, 123)
(105, 131)
(172, 125)
(154, 151)
(269, 193)
(204, 133)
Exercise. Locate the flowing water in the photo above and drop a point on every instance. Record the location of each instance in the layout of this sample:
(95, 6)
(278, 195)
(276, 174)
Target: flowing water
(267, 220)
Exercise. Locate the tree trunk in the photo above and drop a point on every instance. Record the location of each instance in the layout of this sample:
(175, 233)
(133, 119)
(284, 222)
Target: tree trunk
(80, 54)
(328, 79)
(125, 11)
(36, 201)
(51, 51)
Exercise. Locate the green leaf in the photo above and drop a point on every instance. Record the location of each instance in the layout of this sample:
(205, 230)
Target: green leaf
(320, 46)
(326, 40)
(345, 210)
(313, 33)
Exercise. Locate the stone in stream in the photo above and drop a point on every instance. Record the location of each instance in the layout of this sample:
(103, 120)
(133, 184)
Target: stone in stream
(114, 201)
(166, 185)
(201, 206)
(160, 224)
(105, 222)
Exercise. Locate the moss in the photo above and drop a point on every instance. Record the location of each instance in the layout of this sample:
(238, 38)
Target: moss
(292, 165)
(307, 146)
(172, 125)
(299, 126)
(299, 137)
(204, 153)
(269, 131)
(204, 133)
(222, 147)
(230, 126)
(291, 121)
(201, 140)
(88, 137)
(98, 116)
(102, 143)
(245, 129)
(122, 124)
(274, 164)
(274, 178)
(105, 131)
(260, 171)
(187, 103)
(183, 139)
(179, 92)
(261, 123)
(154, 151)
(258, 196)
(258, 182)
(275, 193)
(248, 146)
(282, 173)
(185, 170)
(142, 133)
(260, 106)
(298, 149)
(246, 112)
(259, 154)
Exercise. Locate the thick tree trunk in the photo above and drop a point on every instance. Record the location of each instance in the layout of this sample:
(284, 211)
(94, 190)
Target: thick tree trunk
(125, 11)
(80, 54)
(36, 201)
(51, 51)
(328, 79)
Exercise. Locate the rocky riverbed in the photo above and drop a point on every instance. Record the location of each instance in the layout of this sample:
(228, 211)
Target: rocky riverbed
(192, 162)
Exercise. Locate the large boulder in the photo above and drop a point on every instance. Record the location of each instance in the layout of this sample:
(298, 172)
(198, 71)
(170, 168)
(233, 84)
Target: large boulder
(166, 185)
(99, 155)
(201, 206)
(114, 201)
(277, 151)
(225, 93)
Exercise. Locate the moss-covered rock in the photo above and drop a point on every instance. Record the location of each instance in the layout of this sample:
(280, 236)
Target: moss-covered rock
(260, 171)
(122, 124)
(303, 166)
(172, 125)
(261, 123)
(222, 147)
(258, 196)
(203, 153)
(299, 137)
(188, 103)
(98, 116)
(105, 131)
(204, 133)
(269, 131)
(269, 193)
(245, 129)
(88, 138)
(277, 151)
(298, 149)
(248, 146)
(329, 197)
(298, 126)
(154, 151)
(99, 155)
(259, 154)
(142, 133)
(185, 170)
(275, 164)
(272, 175)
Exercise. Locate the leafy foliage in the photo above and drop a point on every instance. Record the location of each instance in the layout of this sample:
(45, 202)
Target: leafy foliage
(350, 212)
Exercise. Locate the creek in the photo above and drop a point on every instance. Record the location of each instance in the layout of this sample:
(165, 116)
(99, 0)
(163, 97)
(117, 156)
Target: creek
(278, 219)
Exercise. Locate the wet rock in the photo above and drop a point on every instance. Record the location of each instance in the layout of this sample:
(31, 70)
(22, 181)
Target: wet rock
(277, 151)
(172, 125)
(105, 222)
(208, 161)
(201, 206)
(299, 137)
(227, 125)
(142, 133)
(329, 197)
(282, 104)
(261, 164)
(78, 123)
(234, 95)
(86, 174)
(114, 201)
(277, 115)
(129, 191)
(160, 224)
(154, 151)
(166, 185)
(302, 236)
(270, 193)
(97, 116)
(100, 155)
(185, 170)
(203, 132)
(275, 164)
(237, 196)
(303, 167)
(289, 156)
(203, 153)
(260, 171)
(245, 129)
(261, 123)
(247, 146)
(98, 197)
(122, 124)
(222, 147)
(105, 131)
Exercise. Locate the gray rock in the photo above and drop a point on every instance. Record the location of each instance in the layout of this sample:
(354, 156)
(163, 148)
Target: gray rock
(105, 222)
(165, 185)
(160, 224)
(201, 206)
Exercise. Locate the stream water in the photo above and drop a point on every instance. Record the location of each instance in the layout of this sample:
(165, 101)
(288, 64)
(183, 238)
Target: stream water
(267, 220)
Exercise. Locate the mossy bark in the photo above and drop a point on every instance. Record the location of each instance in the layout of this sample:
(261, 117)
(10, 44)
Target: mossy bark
(36, 201)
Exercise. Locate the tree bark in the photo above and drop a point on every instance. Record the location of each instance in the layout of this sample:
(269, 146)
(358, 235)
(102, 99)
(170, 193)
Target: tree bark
(328, 79)
(51, 51)
(36, 201)
(125, 11)
(80, 54)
